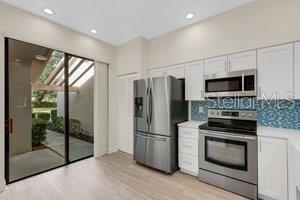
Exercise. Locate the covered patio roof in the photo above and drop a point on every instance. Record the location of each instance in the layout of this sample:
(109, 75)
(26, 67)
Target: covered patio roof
(80, 71)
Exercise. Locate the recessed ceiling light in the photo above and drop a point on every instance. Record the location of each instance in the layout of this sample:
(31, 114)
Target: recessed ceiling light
(189, 16)
(94, 31)
(48, 11)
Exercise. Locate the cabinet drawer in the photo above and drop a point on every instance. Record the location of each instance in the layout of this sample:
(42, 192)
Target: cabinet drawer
(188, 163)
(188, 133)
(188, 146)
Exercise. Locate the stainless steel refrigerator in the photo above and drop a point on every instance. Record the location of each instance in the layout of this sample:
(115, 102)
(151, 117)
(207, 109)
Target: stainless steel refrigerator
(159, 106)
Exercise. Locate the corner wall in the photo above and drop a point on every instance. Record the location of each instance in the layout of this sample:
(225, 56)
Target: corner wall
(258, 24)
(21, 25)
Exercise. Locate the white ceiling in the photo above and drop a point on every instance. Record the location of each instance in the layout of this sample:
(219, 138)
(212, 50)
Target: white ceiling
(119, 21)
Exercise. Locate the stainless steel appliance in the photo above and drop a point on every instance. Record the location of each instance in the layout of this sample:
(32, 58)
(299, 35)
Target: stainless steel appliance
(159, 106)
(228, 151)
(229, 84)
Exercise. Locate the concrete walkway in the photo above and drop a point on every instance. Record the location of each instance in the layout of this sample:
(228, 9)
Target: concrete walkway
(78, 148)
(33, 162)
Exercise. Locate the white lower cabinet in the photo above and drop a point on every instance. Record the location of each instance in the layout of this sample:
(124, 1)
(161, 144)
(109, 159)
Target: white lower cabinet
(294, 173)
(272, 168)
(188, 150)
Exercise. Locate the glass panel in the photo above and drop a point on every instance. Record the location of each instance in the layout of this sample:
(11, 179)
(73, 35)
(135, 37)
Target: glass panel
(81, 110)
(227, 153)
(224, 85)
(36, 110)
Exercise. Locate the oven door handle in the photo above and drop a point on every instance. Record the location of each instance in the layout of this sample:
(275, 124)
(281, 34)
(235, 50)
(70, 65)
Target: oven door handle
(227, 135)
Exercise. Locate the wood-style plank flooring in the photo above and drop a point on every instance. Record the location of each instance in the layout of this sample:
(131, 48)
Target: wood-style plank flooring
(112, 177)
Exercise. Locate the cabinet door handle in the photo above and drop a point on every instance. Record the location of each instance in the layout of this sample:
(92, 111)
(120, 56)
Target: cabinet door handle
(225, 64)
(187, 146)
(187, 133)
(229, 65)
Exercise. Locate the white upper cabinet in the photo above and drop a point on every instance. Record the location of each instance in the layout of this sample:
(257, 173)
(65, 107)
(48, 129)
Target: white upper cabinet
(177, 71)
(242, 61)
(156, 72)
(215, 65)
(272, 168)
(275, 71)
(297, 70)
(194, 83)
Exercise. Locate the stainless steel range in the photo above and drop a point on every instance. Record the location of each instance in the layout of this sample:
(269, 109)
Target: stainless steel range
(228, 151)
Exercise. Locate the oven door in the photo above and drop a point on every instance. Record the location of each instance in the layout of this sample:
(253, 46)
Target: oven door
(229, 84)
(229, 154)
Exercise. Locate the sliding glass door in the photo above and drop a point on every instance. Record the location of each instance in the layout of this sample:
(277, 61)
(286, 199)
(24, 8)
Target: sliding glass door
(48, 109)
(81, 108)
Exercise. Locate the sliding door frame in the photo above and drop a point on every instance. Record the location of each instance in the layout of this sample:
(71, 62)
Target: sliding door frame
(66, 111)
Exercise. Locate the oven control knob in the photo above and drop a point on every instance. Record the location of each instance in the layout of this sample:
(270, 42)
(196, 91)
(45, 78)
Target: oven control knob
(250, 115)
(218, 113)
(243, 115)
(212, 113)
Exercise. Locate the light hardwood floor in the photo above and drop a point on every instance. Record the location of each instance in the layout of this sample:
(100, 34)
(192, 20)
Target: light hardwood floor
(111, 177)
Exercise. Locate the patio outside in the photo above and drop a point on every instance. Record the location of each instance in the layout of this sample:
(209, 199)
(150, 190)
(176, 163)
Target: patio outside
(47, 149)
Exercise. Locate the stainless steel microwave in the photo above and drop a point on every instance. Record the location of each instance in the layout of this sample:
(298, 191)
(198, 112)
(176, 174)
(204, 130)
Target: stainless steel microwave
(231, 84)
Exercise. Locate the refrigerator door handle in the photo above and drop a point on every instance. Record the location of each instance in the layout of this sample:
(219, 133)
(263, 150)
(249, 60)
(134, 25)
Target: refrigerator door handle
(147, 101)
(150, 104)
(151, 137)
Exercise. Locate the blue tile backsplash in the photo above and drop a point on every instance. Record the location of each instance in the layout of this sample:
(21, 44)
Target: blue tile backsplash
(271, 113)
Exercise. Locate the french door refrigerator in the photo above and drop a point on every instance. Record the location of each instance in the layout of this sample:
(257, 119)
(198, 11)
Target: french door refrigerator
(159, 106)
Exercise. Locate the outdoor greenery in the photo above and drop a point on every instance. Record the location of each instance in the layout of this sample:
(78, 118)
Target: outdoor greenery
(43, 102)
(53, 114)
(42, 97)
(38, 131)
(43, 116)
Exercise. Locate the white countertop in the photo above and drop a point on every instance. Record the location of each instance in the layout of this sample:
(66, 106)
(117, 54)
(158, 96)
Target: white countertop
(293, 136)
(191, 124)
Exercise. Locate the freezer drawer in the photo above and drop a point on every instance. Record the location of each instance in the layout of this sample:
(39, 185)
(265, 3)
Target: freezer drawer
(153, 151)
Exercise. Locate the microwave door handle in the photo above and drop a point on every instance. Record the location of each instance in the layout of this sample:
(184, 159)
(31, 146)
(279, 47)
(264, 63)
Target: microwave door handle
(243, 82)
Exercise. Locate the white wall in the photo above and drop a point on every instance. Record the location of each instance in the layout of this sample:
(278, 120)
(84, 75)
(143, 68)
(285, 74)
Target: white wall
(31, 28)
(130, 57)
(260, 23)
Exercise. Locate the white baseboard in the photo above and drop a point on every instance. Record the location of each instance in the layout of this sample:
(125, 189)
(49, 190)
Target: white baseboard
(112, 150)
(2, 185)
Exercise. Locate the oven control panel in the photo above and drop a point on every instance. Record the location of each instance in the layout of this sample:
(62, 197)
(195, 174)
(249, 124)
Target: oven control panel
(232, 114)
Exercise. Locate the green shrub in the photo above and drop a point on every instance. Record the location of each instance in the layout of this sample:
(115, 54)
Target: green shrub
(43, 116)
(75, 126)
(58, 123)
(38, 131)
(33, 115)
(44, 104)
(53, 114)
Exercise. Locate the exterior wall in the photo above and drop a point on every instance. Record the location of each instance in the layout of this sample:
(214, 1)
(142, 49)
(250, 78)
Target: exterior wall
(81, 105)
(19, 78)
